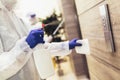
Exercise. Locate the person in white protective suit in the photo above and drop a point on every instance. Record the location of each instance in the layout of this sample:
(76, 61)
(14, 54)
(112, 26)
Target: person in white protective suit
(54, 48)
(27, 45)
(34, 21)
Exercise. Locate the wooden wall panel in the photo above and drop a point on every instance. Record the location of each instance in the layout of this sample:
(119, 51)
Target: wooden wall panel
(84, 5)
(101, 70)
(114, 8)
(92, 28)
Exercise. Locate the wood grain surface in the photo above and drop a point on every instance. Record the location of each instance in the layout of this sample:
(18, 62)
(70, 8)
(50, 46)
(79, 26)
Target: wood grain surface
(102, 64)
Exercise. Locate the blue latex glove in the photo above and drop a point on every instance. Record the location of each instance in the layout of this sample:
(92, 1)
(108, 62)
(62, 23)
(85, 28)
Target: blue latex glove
(73, 43)
(35, 37)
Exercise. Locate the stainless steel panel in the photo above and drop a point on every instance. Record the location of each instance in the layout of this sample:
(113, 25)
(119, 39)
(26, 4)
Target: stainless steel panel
(104, 12)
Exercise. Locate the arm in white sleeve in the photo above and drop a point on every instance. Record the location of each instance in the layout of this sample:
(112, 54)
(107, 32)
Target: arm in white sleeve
(7, 58)
(58, 48)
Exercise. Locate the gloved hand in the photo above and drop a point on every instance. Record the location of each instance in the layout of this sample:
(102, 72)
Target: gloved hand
(73, 43)
(35, 37)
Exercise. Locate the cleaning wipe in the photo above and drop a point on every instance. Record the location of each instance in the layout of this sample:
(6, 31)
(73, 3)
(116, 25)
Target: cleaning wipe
(84, 49)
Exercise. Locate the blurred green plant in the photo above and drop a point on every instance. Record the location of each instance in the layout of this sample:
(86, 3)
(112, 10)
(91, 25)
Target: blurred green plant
(51, 23)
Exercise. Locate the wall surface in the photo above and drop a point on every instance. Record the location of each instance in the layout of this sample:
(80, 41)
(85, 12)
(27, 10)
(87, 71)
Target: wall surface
(73, 31)
(103, 65)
